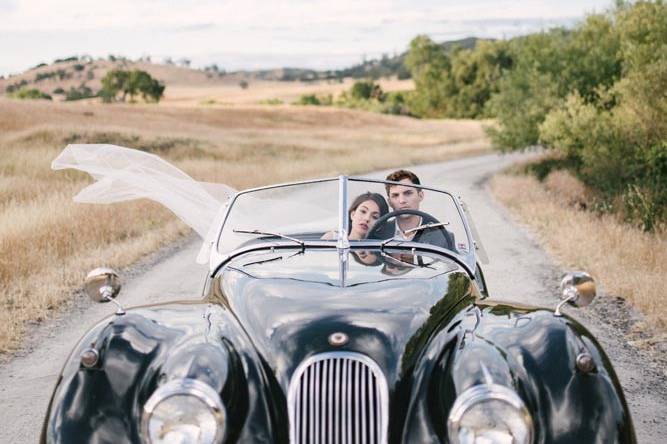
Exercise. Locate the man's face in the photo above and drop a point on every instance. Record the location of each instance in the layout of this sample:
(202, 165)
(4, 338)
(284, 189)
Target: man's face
(405, 197)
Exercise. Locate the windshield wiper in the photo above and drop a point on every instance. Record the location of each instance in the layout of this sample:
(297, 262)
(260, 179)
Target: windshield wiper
(268, 233)
(414, 230)
(273, 259)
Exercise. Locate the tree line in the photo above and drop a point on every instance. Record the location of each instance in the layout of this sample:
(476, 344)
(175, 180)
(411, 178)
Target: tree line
(596, 94)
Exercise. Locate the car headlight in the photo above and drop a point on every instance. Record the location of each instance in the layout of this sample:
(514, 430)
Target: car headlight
(489, 414)
(184, 411)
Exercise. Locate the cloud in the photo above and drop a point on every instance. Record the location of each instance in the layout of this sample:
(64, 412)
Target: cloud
(7, 6)
(37, 30)
(194, 27)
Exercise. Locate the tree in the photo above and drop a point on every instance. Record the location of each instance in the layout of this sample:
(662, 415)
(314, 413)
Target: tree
(130, 83)
(529, 90)
(428, 65)
(617, 135)
(474, 76)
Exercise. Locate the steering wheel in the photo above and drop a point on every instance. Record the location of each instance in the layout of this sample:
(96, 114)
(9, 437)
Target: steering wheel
(379, 229)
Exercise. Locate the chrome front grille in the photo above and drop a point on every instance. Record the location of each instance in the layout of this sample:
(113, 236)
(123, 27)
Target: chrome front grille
(338, 398)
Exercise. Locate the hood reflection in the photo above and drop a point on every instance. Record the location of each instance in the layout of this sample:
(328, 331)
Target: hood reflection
(289, 313)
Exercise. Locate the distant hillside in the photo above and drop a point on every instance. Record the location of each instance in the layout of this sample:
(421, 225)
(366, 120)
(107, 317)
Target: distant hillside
(393, 66)
(65, 77)
(60, 77)
(386, 66)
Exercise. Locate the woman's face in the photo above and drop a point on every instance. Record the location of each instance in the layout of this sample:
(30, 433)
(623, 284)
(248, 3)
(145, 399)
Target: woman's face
(366, 257)
(363, 218)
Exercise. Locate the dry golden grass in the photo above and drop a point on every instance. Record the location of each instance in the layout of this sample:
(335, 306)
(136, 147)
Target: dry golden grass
(229, 93)
(48, 243)
(625, 261)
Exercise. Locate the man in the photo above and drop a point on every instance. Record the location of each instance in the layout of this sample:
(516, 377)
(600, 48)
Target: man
(408, 197)
(405, 197)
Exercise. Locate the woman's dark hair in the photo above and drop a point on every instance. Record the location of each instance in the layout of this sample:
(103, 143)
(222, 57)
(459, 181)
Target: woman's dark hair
(375, 197)
(377, 261)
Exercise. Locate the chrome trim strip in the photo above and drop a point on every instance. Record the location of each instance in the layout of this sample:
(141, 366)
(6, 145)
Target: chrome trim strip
(311, 413)
(343, 223)
(343, 243)
(357, 400)
(328, 405)
(364, 376)
(391, 182)
(317, 401)
(286, 184)
(337, 398)
(358, 245)
(332, 371)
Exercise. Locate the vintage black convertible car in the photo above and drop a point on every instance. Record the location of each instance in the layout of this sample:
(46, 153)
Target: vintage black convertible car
(306, 335)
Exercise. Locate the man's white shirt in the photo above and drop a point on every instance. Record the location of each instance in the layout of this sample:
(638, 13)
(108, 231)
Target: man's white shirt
(399, 233)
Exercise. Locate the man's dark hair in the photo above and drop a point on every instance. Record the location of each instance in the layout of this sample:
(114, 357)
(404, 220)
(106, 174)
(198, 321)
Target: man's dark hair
(399, 175)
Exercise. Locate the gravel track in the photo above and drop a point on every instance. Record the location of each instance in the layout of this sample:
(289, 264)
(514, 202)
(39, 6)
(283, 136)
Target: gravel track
(27, 378)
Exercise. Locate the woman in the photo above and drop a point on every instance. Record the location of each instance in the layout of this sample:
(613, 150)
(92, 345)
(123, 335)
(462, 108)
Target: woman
(364, 211)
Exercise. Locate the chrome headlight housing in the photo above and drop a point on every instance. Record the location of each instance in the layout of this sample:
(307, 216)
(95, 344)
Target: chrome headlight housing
(489, 414)
(183, 411)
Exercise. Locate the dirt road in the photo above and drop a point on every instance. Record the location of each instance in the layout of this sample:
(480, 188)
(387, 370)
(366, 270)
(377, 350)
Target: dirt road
(519, 270)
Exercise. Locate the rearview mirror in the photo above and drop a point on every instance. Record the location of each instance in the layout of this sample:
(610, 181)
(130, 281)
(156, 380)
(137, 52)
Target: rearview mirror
(578, 289)
(103, 285)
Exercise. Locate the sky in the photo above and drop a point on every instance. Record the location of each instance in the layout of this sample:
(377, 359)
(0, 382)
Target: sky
(259, 34)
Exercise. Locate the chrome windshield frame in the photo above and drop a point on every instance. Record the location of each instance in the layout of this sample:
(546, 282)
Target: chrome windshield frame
(343, 221)
(342, 244)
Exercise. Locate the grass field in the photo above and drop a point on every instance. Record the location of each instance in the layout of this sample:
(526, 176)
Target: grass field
(625, 261)
(48, 243)
(226, 94)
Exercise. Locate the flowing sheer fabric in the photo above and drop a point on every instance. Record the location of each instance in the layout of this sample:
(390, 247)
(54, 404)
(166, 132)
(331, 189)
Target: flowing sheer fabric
(124, 174)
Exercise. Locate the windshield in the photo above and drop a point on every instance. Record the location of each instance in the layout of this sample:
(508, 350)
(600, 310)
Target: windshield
(353, 209)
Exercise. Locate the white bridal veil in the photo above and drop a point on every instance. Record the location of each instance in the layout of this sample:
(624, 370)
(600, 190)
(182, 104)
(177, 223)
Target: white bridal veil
(123, 174)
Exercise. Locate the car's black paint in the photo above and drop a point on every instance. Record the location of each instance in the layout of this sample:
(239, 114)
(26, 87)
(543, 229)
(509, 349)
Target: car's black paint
(263, 313)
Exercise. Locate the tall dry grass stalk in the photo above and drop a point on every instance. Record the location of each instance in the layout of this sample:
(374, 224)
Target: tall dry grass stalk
(625, 261)
(48, 243)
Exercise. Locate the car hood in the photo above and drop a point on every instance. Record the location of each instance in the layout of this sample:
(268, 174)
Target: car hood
(290, 306)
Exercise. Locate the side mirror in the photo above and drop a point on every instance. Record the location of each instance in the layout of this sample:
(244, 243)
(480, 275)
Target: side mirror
(578, 289)
(103, 285)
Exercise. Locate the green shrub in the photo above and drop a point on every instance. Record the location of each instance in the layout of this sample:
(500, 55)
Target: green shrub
(308, 99)
(396, 103)
(30, 93)
(271, 102)
(365, 90)
(81, 92)
(15, 86)
(67, 59)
